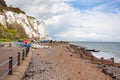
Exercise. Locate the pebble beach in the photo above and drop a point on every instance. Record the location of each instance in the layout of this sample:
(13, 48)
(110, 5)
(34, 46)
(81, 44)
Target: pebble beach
(58, 63)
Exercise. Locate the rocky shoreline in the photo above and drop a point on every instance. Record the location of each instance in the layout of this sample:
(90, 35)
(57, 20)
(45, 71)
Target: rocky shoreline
(107, 67)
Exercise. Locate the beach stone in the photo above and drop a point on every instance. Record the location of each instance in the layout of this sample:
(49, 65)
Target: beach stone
(114, 72)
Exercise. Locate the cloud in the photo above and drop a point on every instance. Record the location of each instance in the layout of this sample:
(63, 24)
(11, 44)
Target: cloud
(65, 22)
(108, 7)
(77, 35)
(91, 25)
(40, 8)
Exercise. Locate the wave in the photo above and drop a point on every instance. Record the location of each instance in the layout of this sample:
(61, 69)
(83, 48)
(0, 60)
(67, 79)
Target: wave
(107, 55)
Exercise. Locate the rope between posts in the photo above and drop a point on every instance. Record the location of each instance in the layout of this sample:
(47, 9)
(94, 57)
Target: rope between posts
(15, 55)
(4, 63)
(4, 74)
(15, 64)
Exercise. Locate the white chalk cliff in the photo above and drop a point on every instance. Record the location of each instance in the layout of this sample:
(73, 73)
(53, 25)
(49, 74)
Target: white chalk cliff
(32, 27)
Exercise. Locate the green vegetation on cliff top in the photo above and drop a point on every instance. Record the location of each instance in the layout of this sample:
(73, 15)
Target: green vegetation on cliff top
(17, 10)
(12, 32)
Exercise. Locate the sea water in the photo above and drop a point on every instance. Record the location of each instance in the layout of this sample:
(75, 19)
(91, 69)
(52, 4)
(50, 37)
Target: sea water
(107, 49)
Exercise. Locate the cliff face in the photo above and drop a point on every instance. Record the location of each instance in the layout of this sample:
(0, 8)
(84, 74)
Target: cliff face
(26, 26)
(32, 27)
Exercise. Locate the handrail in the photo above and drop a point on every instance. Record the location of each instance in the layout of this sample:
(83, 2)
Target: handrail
(20, 56)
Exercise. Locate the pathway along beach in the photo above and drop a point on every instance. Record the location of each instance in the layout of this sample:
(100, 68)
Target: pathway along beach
(59, 63)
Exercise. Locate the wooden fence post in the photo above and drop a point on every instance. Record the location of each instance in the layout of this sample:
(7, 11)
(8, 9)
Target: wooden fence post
(102, 60)
(18, 58)
(23, 55)
(27, 50)
(10, 65)
(92, 58)
(112, 61)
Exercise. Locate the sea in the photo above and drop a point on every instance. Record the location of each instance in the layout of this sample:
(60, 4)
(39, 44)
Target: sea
(107, 50)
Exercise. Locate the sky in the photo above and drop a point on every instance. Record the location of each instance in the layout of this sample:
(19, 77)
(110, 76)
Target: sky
(76, 20)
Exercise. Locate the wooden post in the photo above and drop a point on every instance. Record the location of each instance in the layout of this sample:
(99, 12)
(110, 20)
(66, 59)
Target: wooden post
(92, 58)
(18, 58)
(23, 55)
(112, 59)
(102, 60)
(27, 50)
(10, 65)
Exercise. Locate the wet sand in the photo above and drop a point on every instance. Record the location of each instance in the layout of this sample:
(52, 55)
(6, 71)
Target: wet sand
(59, 63)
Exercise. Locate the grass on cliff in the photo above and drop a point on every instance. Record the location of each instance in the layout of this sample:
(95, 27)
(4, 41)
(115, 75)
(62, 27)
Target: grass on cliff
(12, 32)
(17, 10)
